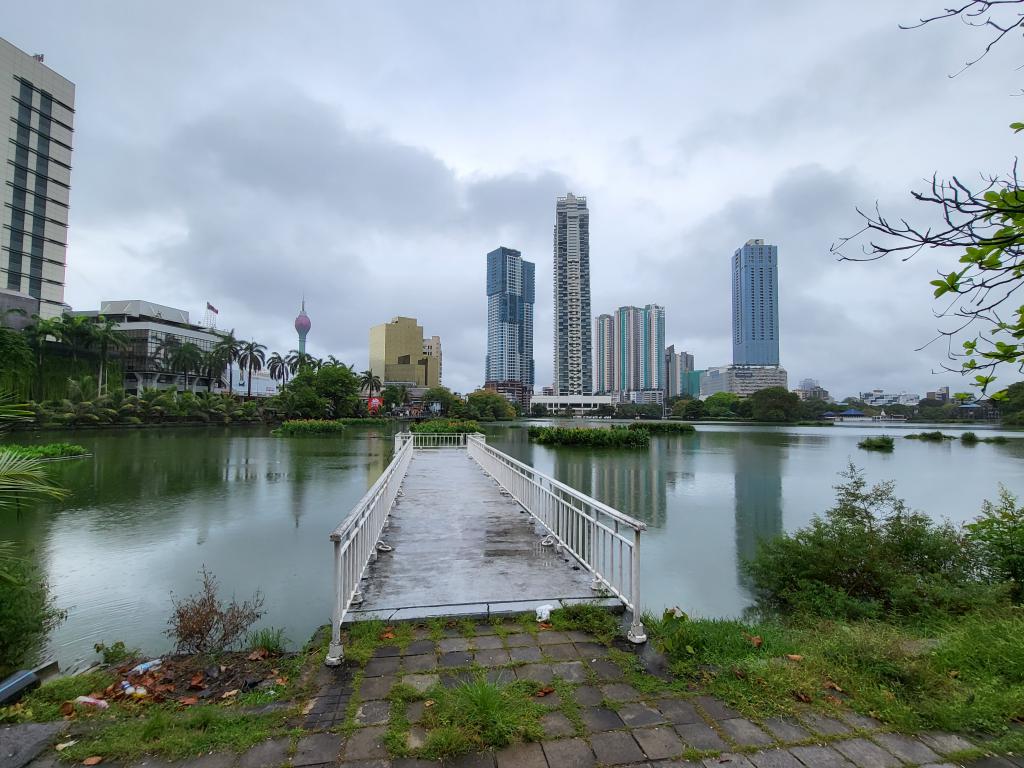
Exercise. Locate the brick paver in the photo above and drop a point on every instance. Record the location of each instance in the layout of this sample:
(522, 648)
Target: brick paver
(522, 756)
(908, 749)
(744, 732)
(615, 748)
(658, 743)
(786, 730)
(775, 758)
(569, 753)
(700, 736)
(820, 757)
(866, 754)
(638, 715)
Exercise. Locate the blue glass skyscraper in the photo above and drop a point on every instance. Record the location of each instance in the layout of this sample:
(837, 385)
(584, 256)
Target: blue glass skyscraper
(510, 298)
(755, 304)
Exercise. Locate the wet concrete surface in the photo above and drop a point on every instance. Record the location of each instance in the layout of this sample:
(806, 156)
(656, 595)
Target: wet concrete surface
(463, 547)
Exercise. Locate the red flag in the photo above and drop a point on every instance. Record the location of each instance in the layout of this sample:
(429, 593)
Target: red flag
(212, 308)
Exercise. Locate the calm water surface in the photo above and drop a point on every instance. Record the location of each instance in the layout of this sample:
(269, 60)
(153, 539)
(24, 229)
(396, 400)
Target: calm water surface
(152, 507)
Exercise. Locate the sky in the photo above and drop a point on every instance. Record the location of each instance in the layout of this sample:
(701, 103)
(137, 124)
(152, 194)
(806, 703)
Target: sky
(367, 156)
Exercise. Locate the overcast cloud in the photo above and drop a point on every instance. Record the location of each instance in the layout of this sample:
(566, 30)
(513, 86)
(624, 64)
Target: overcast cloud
(368, 156)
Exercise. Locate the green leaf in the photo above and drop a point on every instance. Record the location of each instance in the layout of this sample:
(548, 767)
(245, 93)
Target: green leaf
(1017, 127)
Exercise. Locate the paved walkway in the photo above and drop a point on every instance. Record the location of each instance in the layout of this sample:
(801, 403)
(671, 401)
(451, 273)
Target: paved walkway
(463, 547)
(617, 724)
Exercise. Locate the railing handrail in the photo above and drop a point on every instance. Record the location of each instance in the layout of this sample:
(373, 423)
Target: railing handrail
(363, 505)
(632, 522)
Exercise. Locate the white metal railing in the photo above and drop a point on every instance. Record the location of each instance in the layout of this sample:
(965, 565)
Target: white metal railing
(603, 540)
(434, 440)
(355, 540)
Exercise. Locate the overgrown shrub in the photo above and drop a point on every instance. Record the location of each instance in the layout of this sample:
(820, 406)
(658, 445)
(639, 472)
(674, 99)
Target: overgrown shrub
(446, 427)
(116, 652)
(27, 614)
(47, 451)
(202, 623)
(669, 427)
(593, 437)
(299, 427)
(999, 535)
(869, 556)
(880, 443)
(933, 437)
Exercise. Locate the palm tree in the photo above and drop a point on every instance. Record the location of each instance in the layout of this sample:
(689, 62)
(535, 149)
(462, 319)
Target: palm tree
(277, 367)
(79, 333)
(369, 381)
(106, 337)
(213, 366)
(229, 348)
(187, 358)
(38, 333)
(252, 357)
(20, 477)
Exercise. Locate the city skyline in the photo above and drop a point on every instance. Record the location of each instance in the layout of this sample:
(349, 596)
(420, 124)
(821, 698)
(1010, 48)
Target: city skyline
(421, 181)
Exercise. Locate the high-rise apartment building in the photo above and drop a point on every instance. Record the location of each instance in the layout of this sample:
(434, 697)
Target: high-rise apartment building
(37, 109)
(432, 348)
(508, 367)
(672, 378)
(640, 348)
(604, 354)
(755, 304)
(573, 370)
(397, 356)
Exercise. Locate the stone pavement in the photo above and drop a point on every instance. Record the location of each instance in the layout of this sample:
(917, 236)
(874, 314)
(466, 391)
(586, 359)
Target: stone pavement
(605, 721)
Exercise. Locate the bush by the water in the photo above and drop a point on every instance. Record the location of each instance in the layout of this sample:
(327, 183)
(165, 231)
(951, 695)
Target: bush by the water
(999, 535)
(668, 427)
(298, 427)
(446, 427)
(880, 443)
(871, 556)
(47, 451)
(936, 437)
(202, 623)
(27, 614)
(596, 437)
(969, 438)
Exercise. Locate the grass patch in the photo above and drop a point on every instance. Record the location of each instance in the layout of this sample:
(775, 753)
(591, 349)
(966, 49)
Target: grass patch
(965, 675)
(528, 623)
(445, 427)
(586, 617)
(568, 705)
(436, 628)
(363, 639)
(269, 639)
(591, 437)
(478, 715)
(44, 703)
(880, 443)
(166, 731)
(970, 438)
(46, 451)
(467, 628)
(303, 427)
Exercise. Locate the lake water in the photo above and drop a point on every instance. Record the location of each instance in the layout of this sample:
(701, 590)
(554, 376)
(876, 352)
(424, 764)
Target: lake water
(151, 507)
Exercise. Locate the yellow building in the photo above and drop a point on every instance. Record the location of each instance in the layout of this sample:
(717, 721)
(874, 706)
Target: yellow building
(397, 354)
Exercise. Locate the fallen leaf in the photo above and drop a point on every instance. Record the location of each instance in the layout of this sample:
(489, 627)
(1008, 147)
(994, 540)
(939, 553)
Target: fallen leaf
(833, 700)
(794, 657)
(188, 701)
(954, 673)
(197, 681)
(281, 681)
(94, 760)
(67, 708)
(755, 640)
(832, 686)
(229, 694)
(545, 691)
(428, 703)
(388, 633)
(65, 745)
(740, 674)
(801, 696)
(258, 655)
(164, 688)
(545, 625)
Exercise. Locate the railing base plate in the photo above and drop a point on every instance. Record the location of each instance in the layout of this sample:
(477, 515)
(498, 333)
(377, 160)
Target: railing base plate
(637, 634)
(335, 656)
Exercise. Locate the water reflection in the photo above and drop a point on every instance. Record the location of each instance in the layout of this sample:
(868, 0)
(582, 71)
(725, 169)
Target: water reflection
(757, 478)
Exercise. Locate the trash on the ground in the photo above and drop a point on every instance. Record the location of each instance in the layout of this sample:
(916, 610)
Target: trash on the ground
(89, 701)
(544, 612)
(61, 747)
(136, 691)
(13, 687)
(145, 666)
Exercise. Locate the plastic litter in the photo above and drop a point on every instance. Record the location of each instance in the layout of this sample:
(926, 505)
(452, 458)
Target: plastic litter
(547, 541)
(544, 612)
(89, 701)
(138, 691)
(145, 666)
(382, 547)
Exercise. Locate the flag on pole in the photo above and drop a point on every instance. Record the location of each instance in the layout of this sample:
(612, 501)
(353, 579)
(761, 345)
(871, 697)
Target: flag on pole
(212, 308)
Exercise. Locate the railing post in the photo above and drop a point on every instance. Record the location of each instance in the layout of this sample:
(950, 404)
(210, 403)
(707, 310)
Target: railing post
(336, 654)
(636, 633)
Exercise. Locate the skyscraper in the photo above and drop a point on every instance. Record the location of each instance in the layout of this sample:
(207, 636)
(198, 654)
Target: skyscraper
(755, 304)
(510, 297)
(38, 107)
(604, 354)
(672, 372)
(573, 374)
(640, 348)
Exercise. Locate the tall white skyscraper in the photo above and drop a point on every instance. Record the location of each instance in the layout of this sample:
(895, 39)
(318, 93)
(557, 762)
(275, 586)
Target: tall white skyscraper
(573, 370)
(755, 304)
(37, 109)
(604, 354)
(640, 348)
